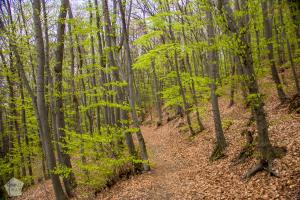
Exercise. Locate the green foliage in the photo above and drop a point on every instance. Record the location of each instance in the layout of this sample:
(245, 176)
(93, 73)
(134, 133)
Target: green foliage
(255, 100)
(62, 171)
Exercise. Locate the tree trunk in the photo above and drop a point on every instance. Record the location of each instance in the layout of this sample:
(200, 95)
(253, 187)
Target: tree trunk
(69, 181)
(212, 58)
(289, 48)
(255, 97)
(267, 8)
(156, 94)
(131, 97)
(101, 61)
(111, 60)
(59, 193)
(25, 133)
(78, 120)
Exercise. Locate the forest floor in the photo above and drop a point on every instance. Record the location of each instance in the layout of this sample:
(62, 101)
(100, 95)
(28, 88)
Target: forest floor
(181, 168)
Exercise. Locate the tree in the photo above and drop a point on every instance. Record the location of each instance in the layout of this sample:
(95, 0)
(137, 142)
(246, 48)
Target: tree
(254, 97)
(59, 193)
(212, 59)
(65, 159)
(267, 8)
(131, 97)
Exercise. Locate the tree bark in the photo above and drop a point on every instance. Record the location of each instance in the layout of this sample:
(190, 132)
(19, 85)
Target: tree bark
(212, 59)
(41, 104)
(69, 182)
(131, 91)
(255, 98)
(267, 8)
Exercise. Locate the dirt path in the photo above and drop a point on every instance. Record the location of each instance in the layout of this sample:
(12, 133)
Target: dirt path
(181, 169)
(167, 156)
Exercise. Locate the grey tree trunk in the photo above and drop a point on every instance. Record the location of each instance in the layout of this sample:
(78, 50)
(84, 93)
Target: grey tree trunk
(27, 41)
(75, 98)
(212, 59)
(131, 91)
(255, 97)
(188, 64)
(267, 8)
(69, 182)
(41, 104)
(14, 112)
(109, 40)
(157, 95)
(101, 60)
(94, 82)
(232, 82)
(25, 133)
(182, 93)
(289, 48)
(20, 68)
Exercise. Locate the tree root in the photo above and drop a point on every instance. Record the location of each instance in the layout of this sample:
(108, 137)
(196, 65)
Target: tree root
(266, 165)
(247, 151)
(294, 104)
(217, 153)
(263, 165)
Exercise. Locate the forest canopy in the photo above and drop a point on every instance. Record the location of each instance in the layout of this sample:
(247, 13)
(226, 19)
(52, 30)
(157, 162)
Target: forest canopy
(78, 80)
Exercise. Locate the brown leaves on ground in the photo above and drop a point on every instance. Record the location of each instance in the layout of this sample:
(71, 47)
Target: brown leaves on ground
(181, 167)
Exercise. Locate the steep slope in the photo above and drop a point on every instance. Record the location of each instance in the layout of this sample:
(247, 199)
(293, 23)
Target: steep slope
(181, 169)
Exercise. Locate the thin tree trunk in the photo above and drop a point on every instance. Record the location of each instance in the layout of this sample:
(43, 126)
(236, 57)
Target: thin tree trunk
(212, 57)
(289, 48)
(59, 193)
(111, 60)
(20, 67)
(131, 97)
(267, 8)
(75, 98)
(157, 95)
(232, 82)
(101, 61)
(94, 84)
(25, 133)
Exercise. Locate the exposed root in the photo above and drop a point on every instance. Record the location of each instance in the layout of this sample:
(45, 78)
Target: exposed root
(294, 104)
(266, 165)
(217, 153)
(247, 151)
(263, 165)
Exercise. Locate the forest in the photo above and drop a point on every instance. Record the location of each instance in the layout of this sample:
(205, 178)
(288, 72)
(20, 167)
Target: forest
(150, 99)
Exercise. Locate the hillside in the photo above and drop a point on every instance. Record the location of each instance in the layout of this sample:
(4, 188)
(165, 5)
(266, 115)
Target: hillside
(181, 167)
